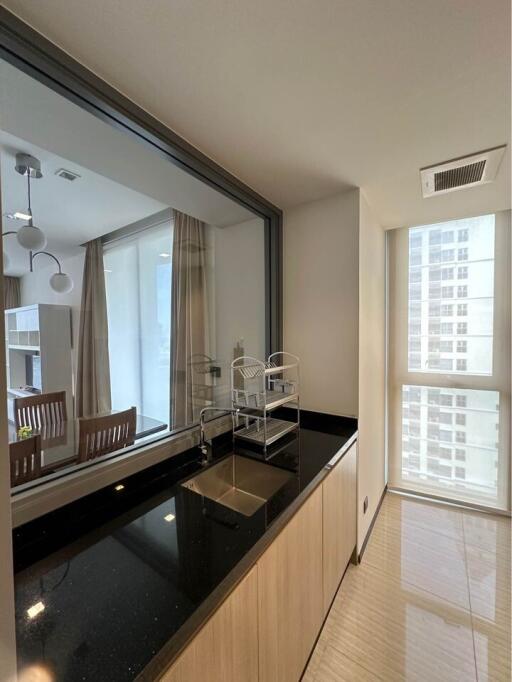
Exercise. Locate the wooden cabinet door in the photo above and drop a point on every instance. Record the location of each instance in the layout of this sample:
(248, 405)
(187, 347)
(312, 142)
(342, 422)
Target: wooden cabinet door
(339, 521)
(226, 648)
(290, 595)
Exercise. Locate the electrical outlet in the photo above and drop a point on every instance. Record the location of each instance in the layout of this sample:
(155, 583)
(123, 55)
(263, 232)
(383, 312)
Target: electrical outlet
(365, 504)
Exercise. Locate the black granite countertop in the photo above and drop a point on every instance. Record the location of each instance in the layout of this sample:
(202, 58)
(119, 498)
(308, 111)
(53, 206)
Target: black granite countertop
(121, 599)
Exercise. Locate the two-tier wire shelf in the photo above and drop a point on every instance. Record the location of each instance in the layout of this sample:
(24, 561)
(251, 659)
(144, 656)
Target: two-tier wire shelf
(257, 389)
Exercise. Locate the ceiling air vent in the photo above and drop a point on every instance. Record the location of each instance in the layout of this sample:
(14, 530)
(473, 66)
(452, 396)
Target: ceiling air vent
(66, 174)
(468, 171)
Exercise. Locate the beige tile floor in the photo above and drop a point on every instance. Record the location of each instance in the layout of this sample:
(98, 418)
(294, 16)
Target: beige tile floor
(429, 602)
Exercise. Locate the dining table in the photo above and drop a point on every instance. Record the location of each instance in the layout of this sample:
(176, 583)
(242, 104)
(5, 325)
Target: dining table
(59, 441)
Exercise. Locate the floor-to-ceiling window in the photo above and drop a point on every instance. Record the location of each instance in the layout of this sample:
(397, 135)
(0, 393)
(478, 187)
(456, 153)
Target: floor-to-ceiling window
(138, 286)
(449, 359)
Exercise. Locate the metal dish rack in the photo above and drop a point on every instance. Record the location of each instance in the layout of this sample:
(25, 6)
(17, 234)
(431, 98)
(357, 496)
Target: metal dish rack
(258, 388)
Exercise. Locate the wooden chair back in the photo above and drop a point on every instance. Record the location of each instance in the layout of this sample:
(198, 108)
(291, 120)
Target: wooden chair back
(25, 456)
(100, 435)
(39, 411)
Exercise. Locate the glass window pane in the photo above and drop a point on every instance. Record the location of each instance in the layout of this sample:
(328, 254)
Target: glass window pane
(139, 319)
(460, 455)
(123, 325)
(462, 308)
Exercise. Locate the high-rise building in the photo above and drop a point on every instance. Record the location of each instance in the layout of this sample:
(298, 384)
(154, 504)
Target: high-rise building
(450, 435)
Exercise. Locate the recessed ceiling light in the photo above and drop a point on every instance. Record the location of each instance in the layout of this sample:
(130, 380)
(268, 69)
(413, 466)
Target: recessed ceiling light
(119, 487)
(169, 518)
(164, 255)
(35, 610)
(18, 215)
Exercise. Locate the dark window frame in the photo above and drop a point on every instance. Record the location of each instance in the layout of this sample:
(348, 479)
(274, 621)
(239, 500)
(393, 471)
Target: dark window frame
(32, 53)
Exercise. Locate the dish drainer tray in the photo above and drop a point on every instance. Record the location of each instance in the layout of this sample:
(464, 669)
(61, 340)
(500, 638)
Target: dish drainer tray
(275, 429)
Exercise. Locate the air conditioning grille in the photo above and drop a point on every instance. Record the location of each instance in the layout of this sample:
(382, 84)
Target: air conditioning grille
(466, 171)
(67, 174)
(457, 177)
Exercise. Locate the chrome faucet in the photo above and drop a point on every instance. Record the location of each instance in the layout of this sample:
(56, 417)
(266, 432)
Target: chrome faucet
(204, 445)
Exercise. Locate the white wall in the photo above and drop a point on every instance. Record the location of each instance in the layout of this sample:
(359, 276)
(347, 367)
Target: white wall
(239, 295)
(321, 246)
(334, 320)
(35, 288)
(372, 364)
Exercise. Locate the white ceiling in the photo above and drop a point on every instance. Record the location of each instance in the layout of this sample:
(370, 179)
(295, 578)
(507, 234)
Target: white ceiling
(121, 181)
(69, 213)
(302, 99)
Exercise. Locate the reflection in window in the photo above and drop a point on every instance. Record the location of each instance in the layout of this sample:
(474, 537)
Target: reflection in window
(103, 349)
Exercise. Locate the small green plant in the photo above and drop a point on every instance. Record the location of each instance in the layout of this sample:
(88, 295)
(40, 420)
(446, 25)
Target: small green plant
(24, 432)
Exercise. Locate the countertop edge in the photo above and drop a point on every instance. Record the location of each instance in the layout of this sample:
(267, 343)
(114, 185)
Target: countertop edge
(169, 653)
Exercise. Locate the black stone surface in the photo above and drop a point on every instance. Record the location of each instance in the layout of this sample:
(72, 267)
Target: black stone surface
(118, 581)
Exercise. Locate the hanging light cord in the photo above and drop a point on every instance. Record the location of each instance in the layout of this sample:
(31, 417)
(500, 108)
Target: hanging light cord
(46, 253)
(28, 192)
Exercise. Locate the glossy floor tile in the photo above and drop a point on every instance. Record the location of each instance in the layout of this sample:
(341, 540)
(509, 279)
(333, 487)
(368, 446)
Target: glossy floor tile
(333, 666)
(487, 531)
(492, 651)
(406, 511)
(489, 584)
(421, 557)
(430, 601)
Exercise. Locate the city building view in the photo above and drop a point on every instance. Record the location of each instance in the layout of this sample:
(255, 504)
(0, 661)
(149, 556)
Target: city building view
(450, 435)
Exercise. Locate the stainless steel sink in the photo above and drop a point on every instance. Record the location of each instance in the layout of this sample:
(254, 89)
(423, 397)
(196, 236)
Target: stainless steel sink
(239, 483)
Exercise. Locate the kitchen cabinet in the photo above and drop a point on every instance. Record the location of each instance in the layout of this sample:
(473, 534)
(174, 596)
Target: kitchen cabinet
(339, 510)
(267, 627)
(290, 595)
(226, 648)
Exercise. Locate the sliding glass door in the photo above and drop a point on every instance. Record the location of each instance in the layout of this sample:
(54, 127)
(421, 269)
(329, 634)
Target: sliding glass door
(449, 359)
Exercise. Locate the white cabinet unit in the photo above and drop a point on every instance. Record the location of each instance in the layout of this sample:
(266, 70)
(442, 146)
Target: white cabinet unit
(38, 348)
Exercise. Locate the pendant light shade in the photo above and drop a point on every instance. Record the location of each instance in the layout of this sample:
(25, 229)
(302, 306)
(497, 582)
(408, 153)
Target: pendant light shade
(31, 238)
(61, 283)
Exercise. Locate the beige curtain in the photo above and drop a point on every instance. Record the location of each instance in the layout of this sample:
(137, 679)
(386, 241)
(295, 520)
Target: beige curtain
(12, 296)
(93, 376)
(189, 321)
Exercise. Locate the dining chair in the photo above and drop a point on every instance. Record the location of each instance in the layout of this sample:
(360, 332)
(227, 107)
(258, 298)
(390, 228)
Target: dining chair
(41, 410)
(25, 457)
(103, 434)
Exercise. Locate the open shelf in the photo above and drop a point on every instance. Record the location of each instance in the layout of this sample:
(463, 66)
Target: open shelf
(272, 400)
